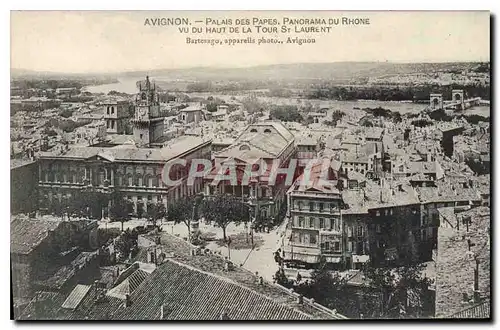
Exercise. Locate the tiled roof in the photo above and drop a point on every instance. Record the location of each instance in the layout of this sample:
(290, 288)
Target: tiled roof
(187, 293)
(26, 233)
(215, 265)
(14, 163)
(479, 311)
(129, 285)
(455, 262)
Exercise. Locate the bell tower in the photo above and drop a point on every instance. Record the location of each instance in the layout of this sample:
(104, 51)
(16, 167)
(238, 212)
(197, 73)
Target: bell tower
(148, 122)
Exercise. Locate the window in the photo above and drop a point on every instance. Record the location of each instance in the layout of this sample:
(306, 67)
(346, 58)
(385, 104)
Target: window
(349, 246)
(336, 246)
(253, 130)
(311, 222)
(112, 110)
(326, 246)
(359, 248)
(312, 239)
(359, 231)
(150, 198)
(377, 228)
(301, 221)
(321, 205)
(267, 130)
(311, 206)
(321, 223)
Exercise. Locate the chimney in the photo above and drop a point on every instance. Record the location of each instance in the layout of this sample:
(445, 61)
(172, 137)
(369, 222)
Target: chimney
(128, 302)
(476, 282)
(261, 280)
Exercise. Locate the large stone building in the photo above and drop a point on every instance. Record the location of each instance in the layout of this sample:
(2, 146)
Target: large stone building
(134, 172)
(259, 147)
(132, 169)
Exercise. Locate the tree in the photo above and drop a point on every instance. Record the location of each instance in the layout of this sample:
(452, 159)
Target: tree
(156, 211)
(119, 210)
(224, 209)
(251, 104)
(181, 211)
(387, 291)
(286, 113)
(328, 288)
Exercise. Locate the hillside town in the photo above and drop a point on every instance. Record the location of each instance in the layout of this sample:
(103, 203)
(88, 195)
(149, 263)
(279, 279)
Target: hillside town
(166, 205)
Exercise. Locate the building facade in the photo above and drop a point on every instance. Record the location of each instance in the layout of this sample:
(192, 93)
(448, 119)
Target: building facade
(316, 228)
(258, 147)
(133, 172)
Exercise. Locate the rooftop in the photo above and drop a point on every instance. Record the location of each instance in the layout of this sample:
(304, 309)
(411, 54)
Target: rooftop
(183, 287)
(172, 149)
(456, 261)
(26, 234)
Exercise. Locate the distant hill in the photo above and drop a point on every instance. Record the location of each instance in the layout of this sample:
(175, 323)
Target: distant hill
(337, 70)
(299, 71)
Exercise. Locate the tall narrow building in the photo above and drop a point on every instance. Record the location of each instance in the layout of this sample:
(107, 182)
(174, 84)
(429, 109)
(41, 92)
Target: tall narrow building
(148, 122)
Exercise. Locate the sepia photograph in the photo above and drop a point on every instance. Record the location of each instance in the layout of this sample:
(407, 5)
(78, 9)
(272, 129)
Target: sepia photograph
(250, 165)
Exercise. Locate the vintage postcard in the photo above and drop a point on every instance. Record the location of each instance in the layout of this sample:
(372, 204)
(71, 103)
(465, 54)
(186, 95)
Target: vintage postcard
(250, 165)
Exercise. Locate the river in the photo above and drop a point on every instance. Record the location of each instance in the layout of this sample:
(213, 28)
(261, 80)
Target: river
(128, 85)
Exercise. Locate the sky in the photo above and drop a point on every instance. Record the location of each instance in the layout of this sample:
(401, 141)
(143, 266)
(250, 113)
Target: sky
(118, 41)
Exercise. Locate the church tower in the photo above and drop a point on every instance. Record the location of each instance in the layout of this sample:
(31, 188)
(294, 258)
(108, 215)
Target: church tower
(147, 123)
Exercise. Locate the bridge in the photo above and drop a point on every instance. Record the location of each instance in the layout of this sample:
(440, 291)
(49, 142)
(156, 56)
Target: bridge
(457, 103)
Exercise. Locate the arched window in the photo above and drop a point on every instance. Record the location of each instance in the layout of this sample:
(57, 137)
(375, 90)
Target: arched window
(102, 176)
(253, 130)
(112, 110)
(148, 180)
(139, 180)
(143, 96)
(130, 180)
(157, 181)
(267, 130)
(244, 147)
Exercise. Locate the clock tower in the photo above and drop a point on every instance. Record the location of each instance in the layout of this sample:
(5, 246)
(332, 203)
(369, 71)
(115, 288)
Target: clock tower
(148, 122)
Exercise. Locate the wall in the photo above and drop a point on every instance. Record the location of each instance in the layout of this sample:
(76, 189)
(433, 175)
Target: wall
(24, 188)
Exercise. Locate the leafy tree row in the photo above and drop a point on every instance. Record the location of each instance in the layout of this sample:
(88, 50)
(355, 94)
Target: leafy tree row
(401, 292)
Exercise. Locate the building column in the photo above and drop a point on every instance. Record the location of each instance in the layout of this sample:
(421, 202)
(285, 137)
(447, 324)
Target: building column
(112, 177)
